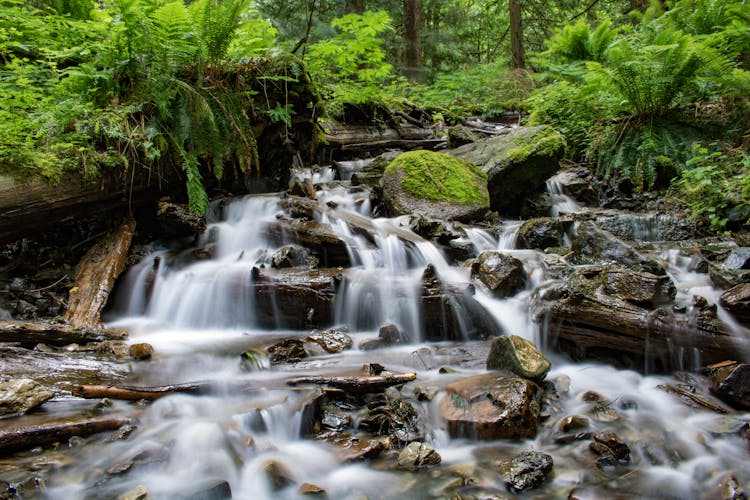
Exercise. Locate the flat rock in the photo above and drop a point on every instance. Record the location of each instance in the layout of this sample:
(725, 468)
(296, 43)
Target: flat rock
(502, 275)
(518, 355)
(21, 395)
(527, 470)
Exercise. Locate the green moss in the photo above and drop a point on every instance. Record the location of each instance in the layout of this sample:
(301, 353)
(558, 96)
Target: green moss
(543, 141)
(440, 177)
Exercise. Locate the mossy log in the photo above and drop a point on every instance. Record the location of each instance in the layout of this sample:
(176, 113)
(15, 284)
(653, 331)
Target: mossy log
(96, 274)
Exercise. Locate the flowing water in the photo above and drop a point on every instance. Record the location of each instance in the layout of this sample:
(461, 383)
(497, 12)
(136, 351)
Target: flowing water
(199, 316)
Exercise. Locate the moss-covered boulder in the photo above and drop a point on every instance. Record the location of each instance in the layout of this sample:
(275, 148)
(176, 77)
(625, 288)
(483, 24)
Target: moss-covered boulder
(435, 185)
(517, 164)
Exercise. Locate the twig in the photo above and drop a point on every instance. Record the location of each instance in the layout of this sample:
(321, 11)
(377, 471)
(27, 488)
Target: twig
(49, 286)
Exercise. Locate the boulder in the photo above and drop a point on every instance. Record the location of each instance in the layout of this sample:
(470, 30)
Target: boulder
(733, 385)
(372, 173)
(540, 233)
(576, 184)
(592, 245)
(491, 406)
(141, 351)
(526, 470)
(517, 164)
(177, 221)
(332, 340)
(18, 396)
(286, 351)
(517, 355)
(734, 270)
(646, 226)
(300, 208)
(502, 275)
(458, 135)
(610, 448)
(417, 454)
(293, 256)
(327, 246)
(736, 300)
(436, 185)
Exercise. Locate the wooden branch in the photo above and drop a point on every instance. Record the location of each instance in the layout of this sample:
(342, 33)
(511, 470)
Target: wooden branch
(18, 438)
(591, 6)
(695, 398)
(137, 393)
(357, 384)
(96, 274)
(55, 334)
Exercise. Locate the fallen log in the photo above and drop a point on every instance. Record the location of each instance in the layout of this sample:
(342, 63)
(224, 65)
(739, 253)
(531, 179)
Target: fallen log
(17, 438)
(133, 393)
(96, 274)
(55, 334)
(361, 384)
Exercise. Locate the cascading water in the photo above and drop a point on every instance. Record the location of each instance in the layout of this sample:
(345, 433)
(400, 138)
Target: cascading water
(197, 309)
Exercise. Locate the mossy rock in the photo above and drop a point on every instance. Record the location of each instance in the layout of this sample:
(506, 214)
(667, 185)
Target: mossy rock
(435, 185)
(517, 164)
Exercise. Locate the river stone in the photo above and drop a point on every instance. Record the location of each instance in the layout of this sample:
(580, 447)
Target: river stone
(726, 488)
(458, 135)
(418, 454)
(610, 448)
(372, 173)
(141, 352)
(21, 395)
(333, 340)
(501, 274)
(311, 489)
(278, 475)
(526, 470)
(491, 406)
(177, 221)
(518, 355)
(592, 245)
(435, 185)
(517, 164)
(736, 300)
(575, 184)
(286, 351)
(138, 493)
(293, 256)
(735, 269)
(540, 233)
(642, 289)
(573, 423)
(733, 386)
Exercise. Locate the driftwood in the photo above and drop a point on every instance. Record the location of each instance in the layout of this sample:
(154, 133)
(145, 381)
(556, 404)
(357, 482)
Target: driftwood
(695, 399)
(137, 393)
(18, 438)
(95, 276)
(55, 334)
(362, 384)
(363, 138)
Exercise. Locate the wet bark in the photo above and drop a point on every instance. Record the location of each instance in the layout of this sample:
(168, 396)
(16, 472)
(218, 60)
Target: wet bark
(412, 46)
(55, 334)
(516, 35)
(136, 393)
(357, 384)
(16, 438)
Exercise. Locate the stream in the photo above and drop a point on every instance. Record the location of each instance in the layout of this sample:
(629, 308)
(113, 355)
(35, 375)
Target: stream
(254, 442)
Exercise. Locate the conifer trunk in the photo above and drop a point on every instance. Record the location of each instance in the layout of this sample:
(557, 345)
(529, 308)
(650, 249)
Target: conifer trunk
(516, 35)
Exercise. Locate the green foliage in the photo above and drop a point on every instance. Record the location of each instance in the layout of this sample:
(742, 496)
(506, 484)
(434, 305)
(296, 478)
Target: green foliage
(715, 182)
(437, 176)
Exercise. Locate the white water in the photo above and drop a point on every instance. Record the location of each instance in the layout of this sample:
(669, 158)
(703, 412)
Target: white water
(199, 317)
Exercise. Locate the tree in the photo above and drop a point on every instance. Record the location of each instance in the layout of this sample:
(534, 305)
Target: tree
(412, 47)
(516, 35)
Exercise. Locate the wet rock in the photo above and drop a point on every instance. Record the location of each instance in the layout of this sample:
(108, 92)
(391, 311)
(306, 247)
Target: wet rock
(736, 300)
(328, 247)
(433, 229)
(395, 418)
(417, 454)
(733, 386)
(592, 245)
(610, 448)
(390, 334)
(278, 476)
(293, 256)
(177, 221)
(517, 355)
(646, 227)
(299, 207)
(18, 396)
(734, 269)
(372, 173)
(303, 188)
(138, 493)
(491, 406)
(311, 489)
(436, 185)
(254, 360)
(517, 164)
(334, 421)
(141, 351)
(575, 183)
(527, 470)
(458, 135)
(540, 233)
(333, 340)
(216, 489)
(287, 351)
(726, 488)
(501, 274)
(144, 454)
(573, 423)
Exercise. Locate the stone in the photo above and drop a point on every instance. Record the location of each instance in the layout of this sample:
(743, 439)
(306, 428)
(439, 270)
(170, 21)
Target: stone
(138, 493)
(417, 454)
(593, 245)
(177, 221)
(734, 269)
(540, 233)
(436, 185)
(278, 476)
(726, 488)
(609, 446)
(21, 395)
(390, 334)
(733, 386)
(141, 352)
(517, 164)
(518, 355)
(458, 135)
(573, 423)
(293, 256)
(736, 300)
(311, 489)
(286, 351)
(527, 470)
(372, 173)
(332, 340)
(502, 275)
(575, 183)
(491, 406)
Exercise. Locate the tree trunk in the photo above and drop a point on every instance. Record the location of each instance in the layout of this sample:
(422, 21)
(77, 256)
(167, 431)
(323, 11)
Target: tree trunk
(55, 334)
(516, 35)
(355, 6)
(412, 48)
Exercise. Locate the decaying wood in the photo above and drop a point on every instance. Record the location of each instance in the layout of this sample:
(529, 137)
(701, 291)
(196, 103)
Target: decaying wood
(695, 398)
(137, 393)
(17, 438)
(55, 334)
(96, 274)
(363, 138)
(357, 384)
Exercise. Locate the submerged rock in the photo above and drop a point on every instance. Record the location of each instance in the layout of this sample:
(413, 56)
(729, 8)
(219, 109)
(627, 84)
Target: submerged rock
(417, 454)
(540, 233)
(525, 471)
(436, 185)
(293, 256)
(21, 395)
(491, 406)
(332, 340)
(287, 351)
(592, 245)
(610, 448)
(501, 274)
(517, 164)
(518, 355)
